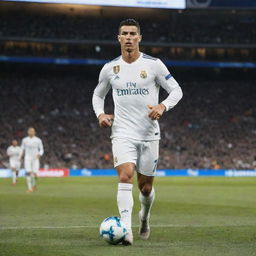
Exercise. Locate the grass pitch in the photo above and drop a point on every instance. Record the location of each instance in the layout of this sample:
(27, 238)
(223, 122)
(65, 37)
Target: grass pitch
(191, 216)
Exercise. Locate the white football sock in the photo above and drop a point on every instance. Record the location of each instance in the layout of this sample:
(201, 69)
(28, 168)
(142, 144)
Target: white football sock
(13, 177)
(146, 204)
(33, 180)
(125, 203)
(29, 182)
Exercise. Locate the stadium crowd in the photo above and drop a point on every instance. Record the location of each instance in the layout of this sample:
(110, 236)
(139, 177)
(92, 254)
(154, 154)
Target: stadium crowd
(214, 126)
(181, 27)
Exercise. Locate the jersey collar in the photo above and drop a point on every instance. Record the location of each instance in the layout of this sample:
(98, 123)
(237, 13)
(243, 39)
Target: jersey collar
(132, 62)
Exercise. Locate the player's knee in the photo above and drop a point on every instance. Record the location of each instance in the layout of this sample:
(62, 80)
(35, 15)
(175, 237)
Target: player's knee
(125, 177)
(145, 189)
(125, 173)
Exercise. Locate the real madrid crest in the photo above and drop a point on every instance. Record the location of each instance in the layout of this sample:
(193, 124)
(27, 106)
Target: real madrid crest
(143, 74)
(116, 69)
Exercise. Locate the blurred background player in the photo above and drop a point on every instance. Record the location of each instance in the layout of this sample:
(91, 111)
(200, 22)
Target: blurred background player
(14, 153)
(32, 150)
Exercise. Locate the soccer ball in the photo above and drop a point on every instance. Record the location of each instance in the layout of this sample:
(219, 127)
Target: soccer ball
(113, 230)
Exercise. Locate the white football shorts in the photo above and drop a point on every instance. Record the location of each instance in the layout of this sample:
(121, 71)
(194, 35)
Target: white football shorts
(31, 165)
(144, 154)
(14, 164)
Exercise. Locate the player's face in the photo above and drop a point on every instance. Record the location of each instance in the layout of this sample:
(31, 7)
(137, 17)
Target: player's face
(31, 132)
(129, 38)
(14, 143)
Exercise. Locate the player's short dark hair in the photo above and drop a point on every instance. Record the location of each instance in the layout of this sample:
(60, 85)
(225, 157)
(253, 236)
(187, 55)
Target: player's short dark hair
(129, 22)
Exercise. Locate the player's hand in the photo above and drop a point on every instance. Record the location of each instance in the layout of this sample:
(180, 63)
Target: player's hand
(105, 120)
(155, 112)
(38, 156)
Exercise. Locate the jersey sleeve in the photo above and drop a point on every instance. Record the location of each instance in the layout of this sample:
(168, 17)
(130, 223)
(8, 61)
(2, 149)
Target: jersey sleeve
(40, 147)
(100, 92)
(8, 152)
(167, 81)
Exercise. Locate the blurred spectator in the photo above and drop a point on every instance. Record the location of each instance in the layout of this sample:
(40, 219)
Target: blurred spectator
(204, 26)
(214, 126)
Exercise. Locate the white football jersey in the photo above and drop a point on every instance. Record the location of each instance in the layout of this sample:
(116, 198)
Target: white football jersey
(14, 153)
(134, 87)
(32, 147)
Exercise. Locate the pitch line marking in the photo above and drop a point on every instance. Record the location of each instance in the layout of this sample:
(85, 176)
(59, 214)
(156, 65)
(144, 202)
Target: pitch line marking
(136, 226)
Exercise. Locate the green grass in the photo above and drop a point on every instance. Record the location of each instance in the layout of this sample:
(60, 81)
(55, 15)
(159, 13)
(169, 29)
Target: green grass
(191, 216)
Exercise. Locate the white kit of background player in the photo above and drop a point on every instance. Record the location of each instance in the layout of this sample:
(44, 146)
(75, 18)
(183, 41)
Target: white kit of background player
(135, 79)
(32, 150)
(14, 153)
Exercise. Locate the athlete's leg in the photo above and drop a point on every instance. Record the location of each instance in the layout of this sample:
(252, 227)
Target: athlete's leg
(124, 195)
(146, 170)
(29, 181)
(125, 157)
(33, 180)
(35, 168)
(17, 170)
(28, 168)
(14, 176)
(147, 196)
(126, 172)
(145, 184)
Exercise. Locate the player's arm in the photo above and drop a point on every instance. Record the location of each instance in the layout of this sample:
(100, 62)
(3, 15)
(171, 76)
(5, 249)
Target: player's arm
(98, 99)
(40, 149)
(8, 152)
(167, 81)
